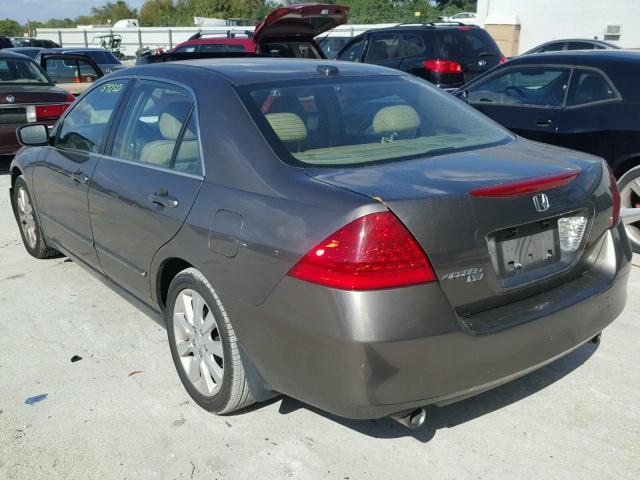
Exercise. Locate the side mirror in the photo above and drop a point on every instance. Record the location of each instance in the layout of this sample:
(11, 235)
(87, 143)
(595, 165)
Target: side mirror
(33, 135)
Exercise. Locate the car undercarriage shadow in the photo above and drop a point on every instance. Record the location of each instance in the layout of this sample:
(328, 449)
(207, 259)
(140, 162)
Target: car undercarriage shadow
(463, 411)
(5, 161)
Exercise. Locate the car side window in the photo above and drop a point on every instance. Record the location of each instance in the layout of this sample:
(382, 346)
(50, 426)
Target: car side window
(186, 49)
(539, 86)
(86, 125)
(588, 86)
(383, 47)
(353, 53)
(152, 125)
(580, 46)
(412, 44)
(187, 158)
(551, 47)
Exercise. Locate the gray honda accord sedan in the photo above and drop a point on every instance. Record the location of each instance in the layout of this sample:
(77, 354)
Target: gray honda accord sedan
(341, 233)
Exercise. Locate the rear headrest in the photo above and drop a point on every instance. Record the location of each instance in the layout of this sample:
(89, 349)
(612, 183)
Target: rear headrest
(398, 118)
(172, 119)
(288, 126)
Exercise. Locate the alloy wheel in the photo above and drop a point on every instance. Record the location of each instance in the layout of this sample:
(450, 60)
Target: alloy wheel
(630, 198)
(198, 342)
(27, 220)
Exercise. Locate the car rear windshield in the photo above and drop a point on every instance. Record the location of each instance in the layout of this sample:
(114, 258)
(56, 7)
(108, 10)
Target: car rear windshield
(465, 43)
(14, 70)
(288, 49)
(100, 57)
(361, 120)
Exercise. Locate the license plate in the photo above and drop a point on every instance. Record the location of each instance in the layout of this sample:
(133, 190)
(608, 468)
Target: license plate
(528, 252)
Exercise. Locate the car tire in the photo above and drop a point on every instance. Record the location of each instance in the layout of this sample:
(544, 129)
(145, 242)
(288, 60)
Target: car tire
(204, 346)
(27, 218)
(629, 186)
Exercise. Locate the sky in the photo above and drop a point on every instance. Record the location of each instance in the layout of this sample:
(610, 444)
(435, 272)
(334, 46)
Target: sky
(41, 10)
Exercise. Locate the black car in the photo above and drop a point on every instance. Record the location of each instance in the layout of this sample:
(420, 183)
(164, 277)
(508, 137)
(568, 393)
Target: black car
(33, 42)
(5, 42)
(572, 44)
(587, 100)
(443, 53)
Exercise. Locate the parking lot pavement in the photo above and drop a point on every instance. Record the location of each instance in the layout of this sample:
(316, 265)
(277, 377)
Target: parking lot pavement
(576, 418)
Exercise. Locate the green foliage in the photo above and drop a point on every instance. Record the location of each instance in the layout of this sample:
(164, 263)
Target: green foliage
(10, 28)
(162, 13)
(112, 12)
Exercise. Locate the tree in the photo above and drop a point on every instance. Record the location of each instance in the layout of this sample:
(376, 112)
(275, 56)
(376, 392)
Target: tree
(113, 11)
(10, 28)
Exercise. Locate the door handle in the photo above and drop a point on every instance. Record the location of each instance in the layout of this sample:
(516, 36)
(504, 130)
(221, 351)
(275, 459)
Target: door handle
(543, 123)
(80, 177)
(162, 199)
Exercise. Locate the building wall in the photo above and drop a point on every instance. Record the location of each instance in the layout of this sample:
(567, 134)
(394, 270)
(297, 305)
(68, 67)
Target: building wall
(544, 20)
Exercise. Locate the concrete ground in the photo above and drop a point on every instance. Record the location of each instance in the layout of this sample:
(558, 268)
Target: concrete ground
(576, 418)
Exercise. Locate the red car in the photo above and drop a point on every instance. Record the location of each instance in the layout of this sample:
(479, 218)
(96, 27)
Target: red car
(286, 32)
(27, 95)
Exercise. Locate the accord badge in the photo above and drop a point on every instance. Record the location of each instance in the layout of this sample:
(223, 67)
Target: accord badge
(10, 98)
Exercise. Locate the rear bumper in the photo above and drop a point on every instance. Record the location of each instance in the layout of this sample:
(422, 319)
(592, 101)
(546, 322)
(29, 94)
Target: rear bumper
(8, 140)
(372, 354)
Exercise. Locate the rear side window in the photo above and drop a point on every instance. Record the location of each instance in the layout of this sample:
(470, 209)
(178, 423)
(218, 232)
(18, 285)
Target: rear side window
(580, 46)
(412, 45)
(464, 43)
(350, 121)
(156, 128)
(587, 87)
(526, 86)
(186, 48)
(85, 126)
(383, 47)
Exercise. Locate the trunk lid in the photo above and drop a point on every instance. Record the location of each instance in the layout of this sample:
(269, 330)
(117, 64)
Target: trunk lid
(304, 20)
(469, 239)
(15, 98)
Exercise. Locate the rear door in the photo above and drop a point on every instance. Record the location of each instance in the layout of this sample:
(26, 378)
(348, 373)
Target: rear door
(384, 50)
(143, 190)
(64, 173)
(416, 47)
(526, 99)
(74, 73)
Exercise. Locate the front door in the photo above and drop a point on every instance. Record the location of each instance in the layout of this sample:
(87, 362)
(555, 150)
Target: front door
(143, 190)
(64, 173)
(384, 50)
(527, 100)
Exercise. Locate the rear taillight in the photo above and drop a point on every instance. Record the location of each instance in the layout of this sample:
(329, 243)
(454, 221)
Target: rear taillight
(48, 112)
(39, 113)
(502, 59)
(524, 187)
(442, 66)
(615, 193)
(70, 98)
(82, 79)
(373, 252)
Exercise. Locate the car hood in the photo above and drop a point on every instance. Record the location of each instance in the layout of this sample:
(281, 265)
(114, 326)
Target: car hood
(303, 20)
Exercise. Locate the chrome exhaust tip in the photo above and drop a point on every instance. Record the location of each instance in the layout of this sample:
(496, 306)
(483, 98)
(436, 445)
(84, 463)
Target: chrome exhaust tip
(412, 419)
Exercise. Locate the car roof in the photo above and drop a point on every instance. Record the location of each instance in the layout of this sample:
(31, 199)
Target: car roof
(426, 26)
(5, 54)
(76, 49)
(245, 70)
(592, 58)
(218, 41)
(582, 40)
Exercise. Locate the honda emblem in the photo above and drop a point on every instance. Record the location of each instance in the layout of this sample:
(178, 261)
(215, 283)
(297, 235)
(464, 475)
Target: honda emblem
(541, 202)
(10, 98)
